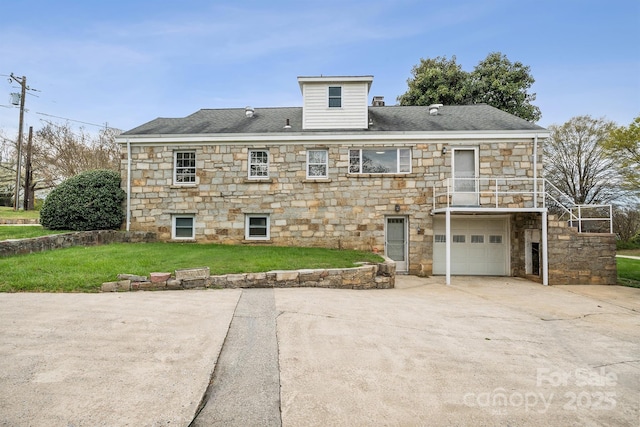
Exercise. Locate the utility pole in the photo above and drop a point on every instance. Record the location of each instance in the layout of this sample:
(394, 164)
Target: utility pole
(23, 84)
(28, 175)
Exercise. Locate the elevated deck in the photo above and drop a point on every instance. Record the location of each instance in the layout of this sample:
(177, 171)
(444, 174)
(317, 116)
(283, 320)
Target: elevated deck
(509, 194)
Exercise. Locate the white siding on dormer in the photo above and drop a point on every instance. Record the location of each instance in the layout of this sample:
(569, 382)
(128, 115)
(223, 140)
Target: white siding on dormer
(353, 114)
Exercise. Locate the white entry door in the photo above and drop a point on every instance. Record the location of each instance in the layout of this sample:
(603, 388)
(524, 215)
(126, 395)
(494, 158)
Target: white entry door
(465, 172)
(479, 246)
(396, 242)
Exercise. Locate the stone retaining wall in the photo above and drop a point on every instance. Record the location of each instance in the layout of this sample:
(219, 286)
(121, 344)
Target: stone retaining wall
(4, 221)
(369, 276)
(574, 258)
(66, 240)
(581, 258)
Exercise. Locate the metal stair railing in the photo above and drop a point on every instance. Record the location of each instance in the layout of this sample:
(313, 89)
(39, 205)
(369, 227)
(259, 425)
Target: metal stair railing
(580, 216)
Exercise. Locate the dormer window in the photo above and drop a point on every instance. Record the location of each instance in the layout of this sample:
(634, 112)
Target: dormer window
(335, 102)
(335, 96)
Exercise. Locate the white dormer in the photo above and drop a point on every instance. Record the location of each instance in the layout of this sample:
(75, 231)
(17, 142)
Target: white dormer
(335, 102)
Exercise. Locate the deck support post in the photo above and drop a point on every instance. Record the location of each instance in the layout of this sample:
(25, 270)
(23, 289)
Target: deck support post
(545, 252)
(448, 246)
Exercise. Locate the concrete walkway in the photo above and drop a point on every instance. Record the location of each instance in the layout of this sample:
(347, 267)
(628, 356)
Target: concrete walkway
(245, 390)
(484, 351)
(628, 256)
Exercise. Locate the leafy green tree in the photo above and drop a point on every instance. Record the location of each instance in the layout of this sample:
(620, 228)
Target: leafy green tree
(495, 81)
(623, 145)
(436, 81)
(89, 201)
(504, 84)
(576, 163)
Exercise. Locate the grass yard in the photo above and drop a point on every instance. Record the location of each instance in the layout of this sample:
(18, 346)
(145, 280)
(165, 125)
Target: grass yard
(629, 272)
(84, 269)
(9, 213)
(24, 231)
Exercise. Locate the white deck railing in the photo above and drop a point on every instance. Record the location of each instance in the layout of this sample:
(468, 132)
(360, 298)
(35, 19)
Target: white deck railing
(513, 193)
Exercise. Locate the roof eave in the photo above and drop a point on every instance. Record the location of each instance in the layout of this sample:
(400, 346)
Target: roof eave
(365, 135)
(336, 79)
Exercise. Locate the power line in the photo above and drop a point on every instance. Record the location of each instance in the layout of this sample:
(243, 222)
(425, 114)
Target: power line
(104, 125)
(13, 78)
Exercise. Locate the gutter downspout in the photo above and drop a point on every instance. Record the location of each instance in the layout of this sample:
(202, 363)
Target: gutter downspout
(535, 171)
(128, 184)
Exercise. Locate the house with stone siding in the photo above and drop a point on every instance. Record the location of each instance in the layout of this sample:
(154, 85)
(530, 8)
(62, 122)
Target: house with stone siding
(441, 190)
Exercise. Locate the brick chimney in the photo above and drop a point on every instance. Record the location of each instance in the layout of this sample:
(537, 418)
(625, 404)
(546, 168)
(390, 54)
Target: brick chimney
(378, 101)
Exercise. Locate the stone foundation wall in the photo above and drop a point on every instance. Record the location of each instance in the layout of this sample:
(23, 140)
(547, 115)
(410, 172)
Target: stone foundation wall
(369, 276)
(66, 240)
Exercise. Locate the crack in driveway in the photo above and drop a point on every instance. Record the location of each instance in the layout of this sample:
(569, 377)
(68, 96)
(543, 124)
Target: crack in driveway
(245, 388)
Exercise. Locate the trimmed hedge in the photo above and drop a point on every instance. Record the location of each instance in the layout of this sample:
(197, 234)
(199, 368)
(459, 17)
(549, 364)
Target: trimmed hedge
(89, 201)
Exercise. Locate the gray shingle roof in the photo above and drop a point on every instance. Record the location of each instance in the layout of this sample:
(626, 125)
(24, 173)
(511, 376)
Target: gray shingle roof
(479, 117)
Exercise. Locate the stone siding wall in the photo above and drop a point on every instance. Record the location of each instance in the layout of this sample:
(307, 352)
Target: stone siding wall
(66, 240)
(343, 211)
(519, 223)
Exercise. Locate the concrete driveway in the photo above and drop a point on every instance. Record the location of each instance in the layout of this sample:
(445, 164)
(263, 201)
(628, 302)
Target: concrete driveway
(484, 351)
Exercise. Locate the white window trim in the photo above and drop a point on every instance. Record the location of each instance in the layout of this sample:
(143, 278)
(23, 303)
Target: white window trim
(476, 158)
(249, 164)
(326, 164)
(175, 168)
(247, 217)
(398, 156)
(173, 226)
(329, 97)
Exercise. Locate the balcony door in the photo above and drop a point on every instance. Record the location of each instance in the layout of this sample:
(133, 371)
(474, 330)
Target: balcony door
(465, 172)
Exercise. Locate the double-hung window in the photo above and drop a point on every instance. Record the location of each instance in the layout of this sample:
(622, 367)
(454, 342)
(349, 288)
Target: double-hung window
(335, 96)
(257, 227)
(317, 166)
(258, 164)
(184, 169)
(380, 160)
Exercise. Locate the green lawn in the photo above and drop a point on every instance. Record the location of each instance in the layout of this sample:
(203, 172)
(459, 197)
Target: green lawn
(629, 272)
(9, 213)
(84, 269)
(24, 231)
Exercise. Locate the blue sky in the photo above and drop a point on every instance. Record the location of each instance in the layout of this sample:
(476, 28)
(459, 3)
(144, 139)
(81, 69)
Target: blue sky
(127, 62)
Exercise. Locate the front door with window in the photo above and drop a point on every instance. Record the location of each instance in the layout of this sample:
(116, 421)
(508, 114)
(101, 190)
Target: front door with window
(396, 242)
(465, 172)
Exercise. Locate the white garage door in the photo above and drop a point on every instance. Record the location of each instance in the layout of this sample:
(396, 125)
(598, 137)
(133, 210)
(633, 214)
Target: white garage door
(479, 246)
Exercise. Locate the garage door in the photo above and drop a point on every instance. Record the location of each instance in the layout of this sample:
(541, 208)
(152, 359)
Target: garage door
(479, 246)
